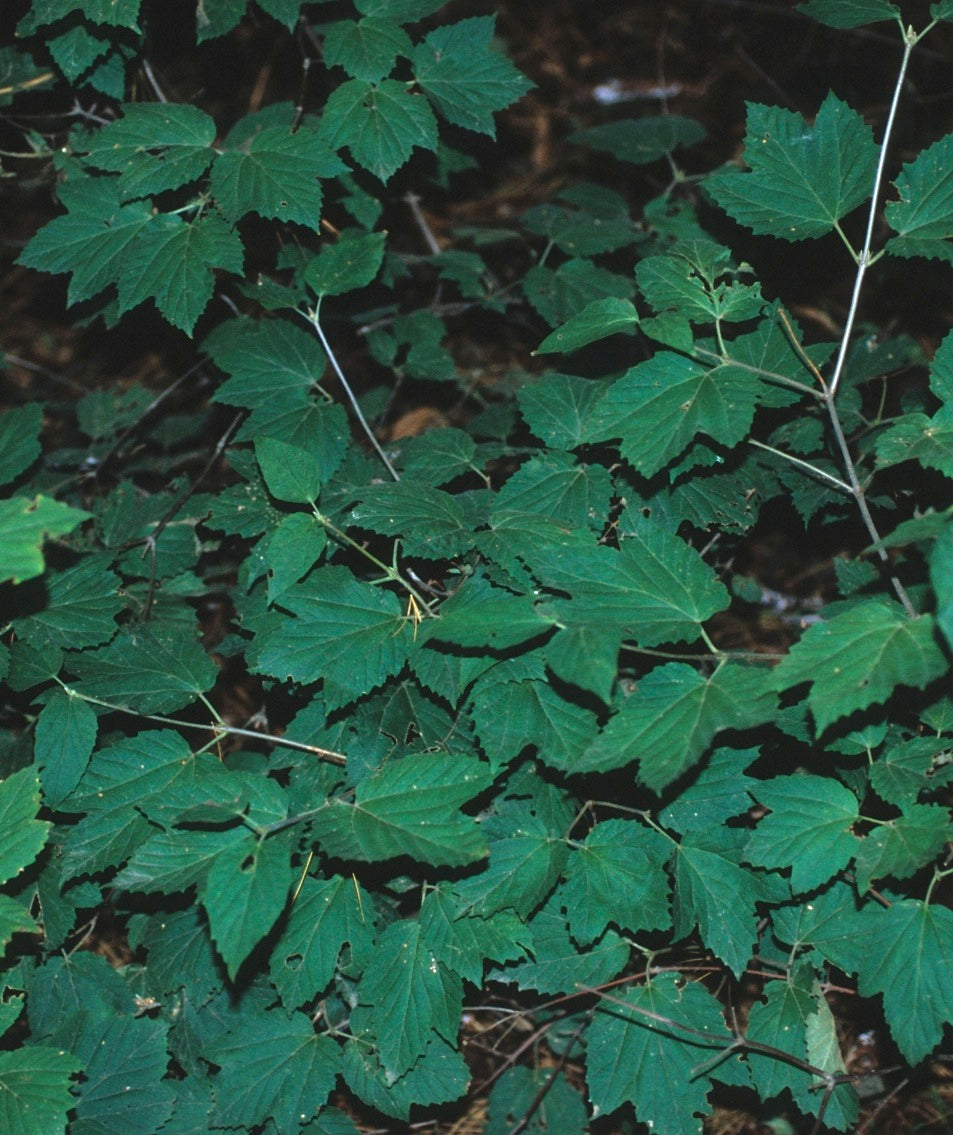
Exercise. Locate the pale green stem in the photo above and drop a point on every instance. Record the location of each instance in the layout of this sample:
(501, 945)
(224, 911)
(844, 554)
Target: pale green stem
(313, 317)
(806, 466)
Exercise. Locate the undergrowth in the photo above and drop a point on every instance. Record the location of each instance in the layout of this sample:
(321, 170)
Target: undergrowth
(501, 765)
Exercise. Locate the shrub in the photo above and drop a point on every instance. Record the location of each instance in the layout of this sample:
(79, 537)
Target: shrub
(501, 752)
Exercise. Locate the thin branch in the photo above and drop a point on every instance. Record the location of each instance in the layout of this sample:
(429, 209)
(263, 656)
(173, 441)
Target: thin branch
(217, 728)
(813, 470)
(313, 317)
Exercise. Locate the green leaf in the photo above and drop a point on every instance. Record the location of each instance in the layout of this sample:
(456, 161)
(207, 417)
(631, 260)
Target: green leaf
(849, 13)
(715, 894)
(792, 1018)
(915, 437)
(92, 240)
(923, 216)
(266, 360)
(172, 261)
(653, 1065)
(809, 828)
(672, 717)
(19, 440)
(464, 78)
(290, 552)
(215, 18)
(367, 49)
(22, 835)
(174, 861)
(244, 892)
(408, 808)
(616, 876)
(403, 11)
(35, 1089)
(273, 1067)
(76, 51)
(498, 622)
(700, 282)
(351, 262)
(380, 123)
(558, 486)
(540, 1099)
(719, 793)
(119, 1053)
(440, 1076)
(154, 147)
(941, 577)
(82, 603)
(903, 771)
(898, 848)
(557, 408)
(116, 13)
(463, 942)
(559, 295)
(526, 859)
(324, 916)
(349, 633)
(64, 737)
(276, 174)
(24, 524)
(558, 965)
(510, 715)
(658, 408)
(144, 672)
(286, 12)
(411, 995)
(598, 320)
(132, 772)
(430, 522)
(802, 177)
(290, 472)
(640, 141)
(857, 658)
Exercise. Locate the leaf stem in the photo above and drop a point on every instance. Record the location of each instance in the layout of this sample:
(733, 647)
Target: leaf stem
(313, 317)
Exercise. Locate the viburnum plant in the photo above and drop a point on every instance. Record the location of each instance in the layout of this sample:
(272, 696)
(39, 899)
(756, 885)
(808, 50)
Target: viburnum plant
(502, 763)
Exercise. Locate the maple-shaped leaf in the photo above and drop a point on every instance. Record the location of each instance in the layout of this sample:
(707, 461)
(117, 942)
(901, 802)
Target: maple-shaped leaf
(699, 280)
(859, 656)
(634, 1055)
(803, 177)
(463, 942)
(408, 808)
(714, 893)
(915, 437)
(465, 79)
(276, 174)
(347, 632)
(640, 141)
(82, 603)
(273, 1067)
(380, 123)
(809, 828)
(430, 522)
(266, 360)
(154, 147)
(244, 892)
(367, 49)
(719, 793)
(789, 1013)
(325, 914)
(171, 262)
(616, 876)
(116, 13)
(923, 215)
(144, 671)
(657, 409)
(898, 848)
(557, 408)
(557, 964)
(35, 1088)
(672, 717)
(92, 239)
(411, 995)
